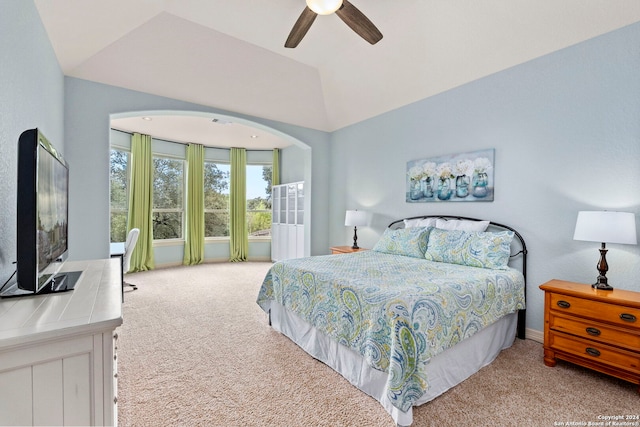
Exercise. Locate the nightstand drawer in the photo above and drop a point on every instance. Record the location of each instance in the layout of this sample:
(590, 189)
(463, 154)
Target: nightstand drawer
(616, 314)
(595, 331)
(596, 352)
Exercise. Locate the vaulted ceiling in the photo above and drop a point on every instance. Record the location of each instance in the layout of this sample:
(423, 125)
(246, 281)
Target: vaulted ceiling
(230, 54)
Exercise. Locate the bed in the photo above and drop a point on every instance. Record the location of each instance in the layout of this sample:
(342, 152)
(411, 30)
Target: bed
(435, 300)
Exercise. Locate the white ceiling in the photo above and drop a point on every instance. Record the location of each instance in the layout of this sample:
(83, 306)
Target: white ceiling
(230, 54)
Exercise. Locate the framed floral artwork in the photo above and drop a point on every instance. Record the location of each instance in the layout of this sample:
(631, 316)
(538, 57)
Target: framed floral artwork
(464, 177)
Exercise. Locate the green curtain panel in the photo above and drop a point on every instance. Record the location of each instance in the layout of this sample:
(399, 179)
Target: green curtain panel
(238, 235)
(275, 167)
(140, 202)
(194, 229)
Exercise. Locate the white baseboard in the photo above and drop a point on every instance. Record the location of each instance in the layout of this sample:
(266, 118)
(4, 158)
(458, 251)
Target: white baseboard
(534, 335)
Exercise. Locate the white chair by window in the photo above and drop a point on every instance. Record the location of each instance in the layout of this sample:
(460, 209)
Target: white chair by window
(129, 246)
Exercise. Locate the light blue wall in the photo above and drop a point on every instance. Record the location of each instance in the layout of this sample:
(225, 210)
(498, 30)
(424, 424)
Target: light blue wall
(293, 157)
(88, 107)
(31, 95)
(566, 133)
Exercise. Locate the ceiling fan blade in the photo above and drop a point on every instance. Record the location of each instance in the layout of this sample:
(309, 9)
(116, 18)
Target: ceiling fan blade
(300, 28)
(359, 23)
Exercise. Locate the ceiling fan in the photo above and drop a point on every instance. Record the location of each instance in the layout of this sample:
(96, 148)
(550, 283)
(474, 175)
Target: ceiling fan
(345, 11)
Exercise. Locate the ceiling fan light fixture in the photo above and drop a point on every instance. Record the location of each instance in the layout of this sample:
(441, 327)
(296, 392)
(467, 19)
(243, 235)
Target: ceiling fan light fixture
(324, 7)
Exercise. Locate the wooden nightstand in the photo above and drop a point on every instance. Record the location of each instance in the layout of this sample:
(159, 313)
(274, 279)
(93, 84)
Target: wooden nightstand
(345, 250)
(593, 328)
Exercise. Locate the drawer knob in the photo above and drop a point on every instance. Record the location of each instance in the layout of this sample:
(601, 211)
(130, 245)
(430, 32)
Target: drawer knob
(593, 331)
(563, 304)
(592, 351)
(627, 317)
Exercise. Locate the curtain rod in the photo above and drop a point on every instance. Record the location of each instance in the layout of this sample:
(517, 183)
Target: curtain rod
(185, 143)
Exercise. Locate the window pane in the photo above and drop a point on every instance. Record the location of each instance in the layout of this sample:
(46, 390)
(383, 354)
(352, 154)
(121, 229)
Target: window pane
(119, 179)
(167, 225)
(216, 224)
(259, 223)
(168, 198)
(259, 200)
(216, 199)
(118, 226)
(216, 185)
(119, 193)
(168, 183)
(266, 177)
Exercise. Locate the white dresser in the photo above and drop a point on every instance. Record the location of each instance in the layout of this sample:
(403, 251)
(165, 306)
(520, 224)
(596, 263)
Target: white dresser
(58, 362)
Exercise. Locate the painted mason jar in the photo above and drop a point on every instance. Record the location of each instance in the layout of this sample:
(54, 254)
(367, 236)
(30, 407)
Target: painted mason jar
(462, 186)
(480, 185)
(444, 189)
(427, 187)
(415, 190)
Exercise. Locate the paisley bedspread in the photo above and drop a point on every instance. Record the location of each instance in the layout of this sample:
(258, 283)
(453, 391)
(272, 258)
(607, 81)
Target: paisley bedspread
(396, 311)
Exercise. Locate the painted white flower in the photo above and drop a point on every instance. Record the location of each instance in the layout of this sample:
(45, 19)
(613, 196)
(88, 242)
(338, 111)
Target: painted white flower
(429, 169)
(464, 167)
(443, 170)
(482, 164)
(415, 173)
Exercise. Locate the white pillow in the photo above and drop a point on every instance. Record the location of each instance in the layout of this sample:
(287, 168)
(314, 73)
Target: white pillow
(461, 224)
(420, 222)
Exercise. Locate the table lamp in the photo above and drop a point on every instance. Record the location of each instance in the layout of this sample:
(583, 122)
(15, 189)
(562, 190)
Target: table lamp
(354, 219)
(605, 227)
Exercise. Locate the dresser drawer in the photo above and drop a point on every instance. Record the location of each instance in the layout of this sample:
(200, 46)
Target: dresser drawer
(596, 352)
(624, 316)
(596, 331)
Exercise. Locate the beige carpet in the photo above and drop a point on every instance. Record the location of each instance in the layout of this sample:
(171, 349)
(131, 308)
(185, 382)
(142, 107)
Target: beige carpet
(196, 350)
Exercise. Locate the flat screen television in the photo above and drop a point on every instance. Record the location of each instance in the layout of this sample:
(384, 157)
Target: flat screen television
(43, 212)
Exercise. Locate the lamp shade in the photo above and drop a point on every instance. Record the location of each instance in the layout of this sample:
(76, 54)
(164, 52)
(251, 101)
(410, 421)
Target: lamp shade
(606, 227)
(355, 218)
(324, 7)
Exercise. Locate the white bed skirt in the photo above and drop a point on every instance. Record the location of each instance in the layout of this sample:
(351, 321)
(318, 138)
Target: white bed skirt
(444, 371)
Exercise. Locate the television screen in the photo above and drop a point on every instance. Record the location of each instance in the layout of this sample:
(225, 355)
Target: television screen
(52, 203)
(42, 223)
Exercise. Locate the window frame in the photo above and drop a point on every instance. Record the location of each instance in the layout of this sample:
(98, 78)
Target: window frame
(160, 242)
(124, 211)
(228, 210)
(270, 211)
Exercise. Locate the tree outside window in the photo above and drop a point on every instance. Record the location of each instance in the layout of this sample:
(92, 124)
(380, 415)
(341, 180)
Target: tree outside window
(216, 199)
(119, 183)
(168, 198)
(259, 200)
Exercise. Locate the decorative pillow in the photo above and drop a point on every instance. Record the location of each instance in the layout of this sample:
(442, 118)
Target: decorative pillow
(461, 224)
(420, 222)
(472, 248)
(404, 241)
